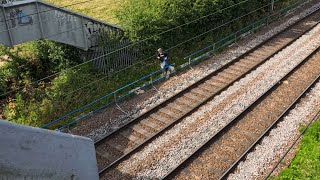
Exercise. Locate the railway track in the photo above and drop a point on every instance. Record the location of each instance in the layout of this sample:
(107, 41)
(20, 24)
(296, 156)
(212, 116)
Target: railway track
(219, 156)
(118, 145)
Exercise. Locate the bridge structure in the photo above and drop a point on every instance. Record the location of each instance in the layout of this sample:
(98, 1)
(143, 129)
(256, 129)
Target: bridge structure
(27, 20)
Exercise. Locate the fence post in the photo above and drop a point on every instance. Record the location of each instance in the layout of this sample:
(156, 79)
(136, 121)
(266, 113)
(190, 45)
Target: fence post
(84, 33)
(152, 84)
(7, 25)
(115, 97)
(214, 48)
(40, 20)
(190, 62)
(270, 11)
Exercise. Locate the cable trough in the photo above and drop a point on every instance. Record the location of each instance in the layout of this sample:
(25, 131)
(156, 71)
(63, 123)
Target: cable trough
(219, 156)
(118, 145)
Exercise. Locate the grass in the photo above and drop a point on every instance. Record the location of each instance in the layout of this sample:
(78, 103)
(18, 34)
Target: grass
(132, 74)
(306, 164)
(99, 9)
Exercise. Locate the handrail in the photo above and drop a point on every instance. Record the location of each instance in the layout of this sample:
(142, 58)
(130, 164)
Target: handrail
(103, 97)
(153, 73)
(235, 33)
(104, 106)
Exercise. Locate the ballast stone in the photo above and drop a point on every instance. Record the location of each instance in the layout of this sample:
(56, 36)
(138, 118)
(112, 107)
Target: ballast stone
(32, 153)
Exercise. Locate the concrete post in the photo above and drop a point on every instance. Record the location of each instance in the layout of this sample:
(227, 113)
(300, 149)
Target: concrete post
(38, 154)
(40, 20)
(7, 25)
(84, 34)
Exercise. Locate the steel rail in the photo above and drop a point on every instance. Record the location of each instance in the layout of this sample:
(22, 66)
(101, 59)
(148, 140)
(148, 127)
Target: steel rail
(315, 117)
(221, 132)
(266, 133)
(172, 98)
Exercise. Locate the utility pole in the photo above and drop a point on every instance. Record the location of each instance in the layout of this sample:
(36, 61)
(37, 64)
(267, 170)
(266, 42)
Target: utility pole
(270, 11)
(272, 5)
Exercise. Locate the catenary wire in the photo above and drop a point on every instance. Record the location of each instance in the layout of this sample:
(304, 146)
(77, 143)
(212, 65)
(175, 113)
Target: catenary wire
(217, 27)
(55, 74)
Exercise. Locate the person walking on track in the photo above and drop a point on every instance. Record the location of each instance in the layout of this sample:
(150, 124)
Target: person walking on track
(165, 62)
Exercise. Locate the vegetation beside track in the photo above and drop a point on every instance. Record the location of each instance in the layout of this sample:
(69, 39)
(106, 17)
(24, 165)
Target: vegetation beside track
(39, 103)
(306, 163)
(103, 10)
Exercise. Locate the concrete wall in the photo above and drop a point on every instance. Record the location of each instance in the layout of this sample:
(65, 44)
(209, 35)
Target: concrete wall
(32, 153)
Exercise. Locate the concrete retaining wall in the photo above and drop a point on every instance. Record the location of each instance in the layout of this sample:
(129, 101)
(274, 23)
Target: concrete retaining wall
(32, 153)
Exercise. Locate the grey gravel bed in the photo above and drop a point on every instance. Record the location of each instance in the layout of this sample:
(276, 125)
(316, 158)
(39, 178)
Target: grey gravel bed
(176, 84)
(252, 86)
(258, 163)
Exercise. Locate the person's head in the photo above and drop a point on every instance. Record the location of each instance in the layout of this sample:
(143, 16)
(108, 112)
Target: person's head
(160, 50)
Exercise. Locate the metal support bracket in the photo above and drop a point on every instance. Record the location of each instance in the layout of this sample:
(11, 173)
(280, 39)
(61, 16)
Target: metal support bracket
(254, 34)
(237, 44)
(190, 63)
(69, 131)
(119, 108)
(155, 88)
(153, 84)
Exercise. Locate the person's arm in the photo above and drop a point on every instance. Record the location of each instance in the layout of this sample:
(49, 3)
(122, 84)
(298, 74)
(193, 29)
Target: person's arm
(166, 57)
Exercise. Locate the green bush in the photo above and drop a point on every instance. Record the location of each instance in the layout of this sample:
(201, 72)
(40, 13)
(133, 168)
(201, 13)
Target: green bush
(142, 19)
(306, 164)
(149, 19)
(28, 63)
(43, 57)
(39, 103)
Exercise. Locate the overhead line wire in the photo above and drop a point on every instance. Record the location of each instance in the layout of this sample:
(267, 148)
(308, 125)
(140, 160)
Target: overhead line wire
(188, 41)
(148, 38)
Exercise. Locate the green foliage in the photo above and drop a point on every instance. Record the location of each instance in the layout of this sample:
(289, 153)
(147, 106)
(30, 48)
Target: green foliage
(39, 103)
(36, 60)
(99, 9)
(46, 57)
(3, 70)
(143, 19)
(202, 23)
(3, 82)
(306, 164)
(16, 111)
(28, 63)
(60, 56)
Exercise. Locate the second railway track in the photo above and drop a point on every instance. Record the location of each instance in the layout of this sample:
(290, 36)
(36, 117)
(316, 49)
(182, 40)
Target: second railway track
(219, 156)
(118, 145)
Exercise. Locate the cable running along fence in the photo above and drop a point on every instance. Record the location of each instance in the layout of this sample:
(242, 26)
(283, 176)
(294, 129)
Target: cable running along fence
(122, 51)
(155, 76)
(98, 54)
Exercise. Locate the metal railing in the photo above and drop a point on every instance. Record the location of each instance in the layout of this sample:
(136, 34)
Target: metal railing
(149, 78)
